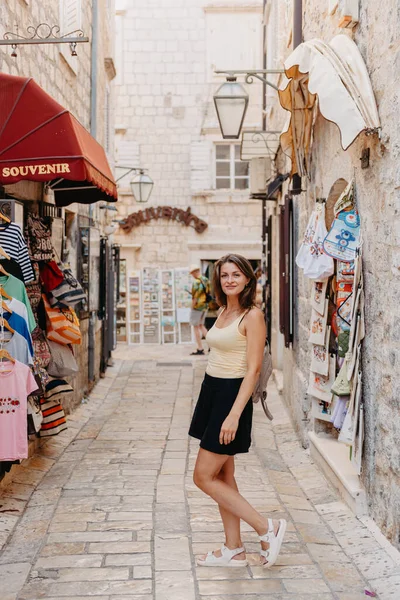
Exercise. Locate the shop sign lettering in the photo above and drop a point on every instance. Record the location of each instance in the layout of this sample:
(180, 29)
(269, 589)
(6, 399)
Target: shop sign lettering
(164, 212)
(27, 170)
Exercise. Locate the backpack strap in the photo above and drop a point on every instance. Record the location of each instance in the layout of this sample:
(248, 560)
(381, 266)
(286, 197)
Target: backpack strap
(244, 314)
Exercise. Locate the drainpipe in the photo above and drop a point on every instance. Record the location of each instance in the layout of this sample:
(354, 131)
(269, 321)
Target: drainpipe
(264, 85)
(93, 69)
(297, 40)
(297, 23)
(264, 232)
(93, 131)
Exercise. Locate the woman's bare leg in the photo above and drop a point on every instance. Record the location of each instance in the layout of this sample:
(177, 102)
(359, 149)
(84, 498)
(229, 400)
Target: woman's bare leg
(205, 476)
(230, 521)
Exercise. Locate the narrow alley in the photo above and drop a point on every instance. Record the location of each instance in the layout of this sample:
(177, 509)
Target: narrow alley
(108, 509)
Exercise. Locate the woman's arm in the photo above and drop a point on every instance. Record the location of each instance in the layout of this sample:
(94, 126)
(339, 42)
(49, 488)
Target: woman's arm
(255, 332)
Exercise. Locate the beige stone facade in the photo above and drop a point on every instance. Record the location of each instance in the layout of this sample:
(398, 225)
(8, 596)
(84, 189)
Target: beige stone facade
(70, 81)
(166, 123)
(377, 196)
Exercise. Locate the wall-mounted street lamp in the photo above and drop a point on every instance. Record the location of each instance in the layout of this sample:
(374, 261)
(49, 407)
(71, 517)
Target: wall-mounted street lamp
(231, 100)
(141, 185)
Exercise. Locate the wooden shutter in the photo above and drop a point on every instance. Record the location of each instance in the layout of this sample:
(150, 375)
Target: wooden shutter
(200, 159)
(71, 15)
(286, 269)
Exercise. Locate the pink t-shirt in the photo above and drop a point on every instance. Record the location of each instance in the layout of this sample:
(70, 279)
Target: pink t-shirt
(16, 383)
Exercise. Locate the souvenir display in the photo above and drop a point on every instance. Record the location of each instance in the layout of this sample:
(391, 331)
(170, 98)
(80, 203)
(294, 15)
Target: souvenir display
(151, 305)
(323, 410)
(29, 277)
(318, 296)
(134, 308)
(335, 383)
(320, 356)
(316, 264)
(318, 325)
(320, 386)
(168, 330)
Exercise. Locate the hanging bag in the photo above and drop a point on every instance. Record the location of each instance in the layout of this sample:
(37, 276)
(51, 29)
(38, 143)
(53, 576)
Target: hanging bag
(343, 238)
(62, 362)
(38, 236)
(62, 324)
(50, 276)
(311, 257)
(69, 292)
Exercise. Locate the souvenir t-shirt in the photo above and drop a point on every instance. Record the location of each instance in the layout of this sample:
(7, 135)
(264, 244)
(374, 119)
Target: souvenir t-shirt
(12, 241)
(16, 289)
(18, 347)
(19, 325)
(18, 307)
(12, 268)
(16, 384)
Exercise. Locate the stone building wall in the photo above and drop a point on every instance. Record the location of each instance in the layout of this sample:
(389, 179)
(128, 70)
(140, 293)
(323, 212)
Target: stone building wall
(378, 201)
(166, 122)
(67, 80)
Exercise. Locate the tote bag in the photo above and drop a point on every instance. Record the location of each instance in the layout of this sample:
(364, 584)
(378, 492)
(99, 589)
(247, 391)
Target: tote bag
(311, 257)
(69, 292)
(62, 363)
(62, 324)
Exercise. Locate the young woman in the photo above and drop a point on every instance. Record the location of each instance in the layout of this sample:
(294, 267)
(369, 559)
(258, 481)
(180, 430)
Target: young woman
(223, 415)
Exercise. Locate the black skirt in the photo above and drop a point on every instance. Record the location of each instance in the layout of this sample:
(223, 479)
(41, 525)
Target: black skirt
(215, 401)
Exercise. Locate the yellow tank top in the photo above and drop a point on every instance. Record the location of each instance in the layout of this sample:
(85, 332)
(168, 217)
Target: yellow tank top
(227, 358)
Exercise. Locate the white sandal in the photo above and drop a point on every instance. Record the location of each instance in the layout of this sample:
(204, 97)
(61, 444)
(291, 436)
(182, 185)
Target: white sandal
(274, 541)
(225, 560)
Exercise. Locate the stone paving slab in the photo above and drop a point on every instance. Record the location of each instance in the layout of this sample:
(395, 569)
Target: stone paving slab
(108, 510)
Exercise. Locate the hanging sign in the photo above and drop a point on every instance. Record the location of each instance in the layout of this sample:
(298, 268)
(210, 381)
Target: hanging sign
(164, 212)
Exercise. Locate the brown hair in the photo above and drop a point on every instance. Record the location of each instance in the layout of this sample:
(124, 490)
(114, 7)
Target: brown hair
(248, 295)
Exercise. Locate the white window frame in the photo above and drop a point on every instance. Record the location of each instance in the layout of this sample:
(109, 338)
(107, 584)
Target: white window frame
(232, 168)
(65, 51)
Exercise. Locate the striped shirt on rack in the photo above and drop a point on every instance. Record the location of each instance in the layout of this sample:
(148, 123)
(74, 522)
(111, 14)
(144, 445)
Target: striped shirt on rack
(12, 242)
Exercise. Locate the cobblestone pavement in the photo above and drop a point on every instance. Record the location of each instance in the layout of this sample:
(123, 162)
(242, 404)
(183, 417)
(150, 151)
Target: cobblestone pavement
(108, 509)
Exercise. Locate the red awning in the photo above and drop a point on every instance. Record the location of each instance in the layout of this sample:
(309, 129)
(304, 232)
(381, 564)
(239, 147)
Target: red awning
(42, 141)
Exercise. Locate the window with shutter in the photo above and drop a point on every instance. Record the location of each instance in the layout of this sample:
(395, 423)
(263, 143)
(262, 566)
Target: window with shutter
(70, 20)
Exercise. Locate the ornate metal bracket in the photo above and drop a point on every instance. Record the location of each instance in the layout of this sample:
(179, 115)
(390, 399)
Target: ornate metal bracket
(43, 34)
(251, 74)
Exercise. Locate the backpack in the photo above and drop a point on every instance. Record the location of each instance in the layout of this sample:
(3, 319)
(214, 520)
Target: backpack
(206, 287)
(260, 390)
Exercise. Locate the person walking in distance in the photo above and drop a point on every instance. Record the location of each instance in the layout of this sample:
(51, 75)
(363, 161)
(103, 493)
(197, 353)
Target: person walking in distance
(200, 295)
(222, 418)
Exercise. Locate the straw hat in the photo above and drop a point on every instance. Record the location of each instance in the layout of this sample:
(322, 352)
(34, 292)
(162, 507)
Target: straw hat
(194, 268)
